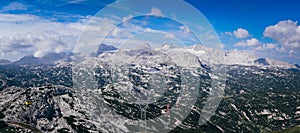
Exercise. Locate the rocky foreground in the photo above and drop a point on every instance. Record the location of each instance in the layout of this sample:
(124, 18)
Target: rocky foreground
(43, 109)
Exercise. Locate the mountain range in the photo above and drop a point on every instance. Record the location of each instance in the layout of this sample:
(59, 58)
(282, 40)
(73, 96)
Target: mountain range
(231, 57)
(55, 93)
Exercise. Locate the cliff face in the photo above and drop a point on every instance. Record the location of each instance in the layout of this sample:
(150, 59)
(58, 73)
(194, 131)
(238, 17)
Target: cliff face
(44, 109)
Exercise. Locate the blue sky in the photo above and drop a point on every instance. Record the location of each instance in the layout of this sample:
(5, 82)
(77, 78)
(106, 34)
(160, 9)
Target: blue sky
(253, 15)
(264, 27)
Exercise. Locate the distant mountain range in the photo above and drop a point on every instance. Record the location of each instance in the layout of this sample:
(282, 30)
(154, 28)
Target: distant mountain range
(49, 94)
(231, 57)
(4, 62)
(50, 58)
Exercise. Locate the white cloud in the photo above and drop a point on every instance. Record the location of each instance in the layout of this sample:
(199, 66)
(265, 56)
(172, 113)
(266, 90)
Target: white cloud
(229, 33)
(270, 45)
(104, 30)
(287, 33)
(13, 18)
(185, 29)
(241, 33)
(75, 1)
(29, 34)
(121, 32)
(94, 33)
(169, 36)
(248, 43)
(14, 6)
(222, 46)
(127, 18)
(156, 12)
(267, 47)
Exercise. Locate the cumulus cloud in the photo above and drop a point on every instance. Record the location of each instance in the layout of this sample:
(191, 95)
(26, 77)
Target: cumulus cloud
(270, 45)
(169, 36)
(248, 43)
(94, 33)
(156, 12)
(267, 47)
(185, 29)
(287, 33)
(241, 33)
(104, 30)
(121, 33)
(30, 34)
(14, 6)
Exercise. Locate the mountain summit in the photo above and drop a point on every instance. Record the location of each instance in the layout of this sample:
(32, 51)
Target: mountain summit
(104, 47)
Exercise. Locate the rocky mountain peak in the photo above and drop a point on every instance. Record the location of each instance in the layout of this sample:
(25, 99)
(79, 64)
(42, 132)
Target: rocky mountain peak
(104, 48)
